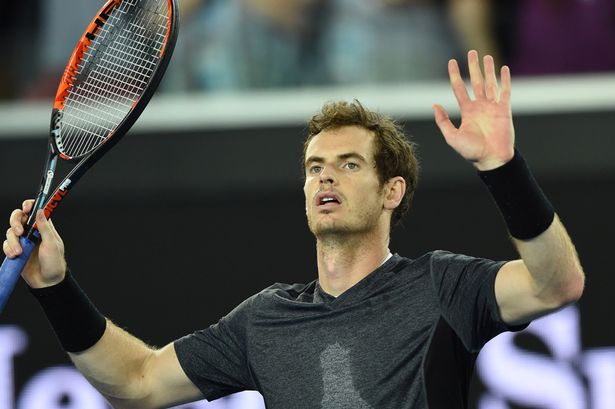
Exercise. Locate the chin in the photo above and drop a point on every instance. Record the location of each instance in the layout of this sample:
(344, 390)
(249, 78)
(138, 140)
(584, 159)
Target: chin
(331, 228)
(325, 227)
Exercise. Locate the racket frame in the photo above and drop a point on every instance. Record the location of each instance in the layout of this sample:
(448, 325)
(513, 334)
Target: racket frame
(50, 201)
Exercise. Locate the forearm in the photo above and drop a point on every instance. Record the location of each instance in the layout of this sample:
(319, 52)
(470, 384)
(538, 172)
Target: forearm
(550, 275)
(116, 366)
(553, 263)
(114, 361)
(129, 373)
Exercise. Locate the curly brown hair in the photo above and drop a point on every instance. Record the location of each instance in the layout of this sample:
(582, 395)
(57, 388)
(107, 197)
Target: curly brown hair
(394, 154)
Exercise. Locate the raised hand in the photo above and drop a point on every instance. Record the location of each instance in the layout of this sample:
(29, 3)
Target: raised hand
(486, 136)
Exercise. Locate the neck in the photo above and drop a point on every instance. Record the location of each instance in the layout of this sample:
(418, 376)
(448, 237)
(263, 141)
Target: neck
(344, 261)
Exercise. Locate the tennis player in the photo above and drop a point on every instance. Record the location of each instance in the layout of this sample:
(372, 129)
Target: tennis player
(375, 329)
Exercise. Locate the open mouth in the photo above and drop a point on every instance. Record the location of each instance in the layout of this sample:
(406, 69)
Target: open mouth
(327, 200)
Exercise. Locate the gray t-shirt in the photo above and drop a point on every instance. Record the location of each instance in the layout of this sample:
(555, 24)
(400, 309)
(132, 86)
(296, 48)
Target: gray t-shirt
(406, 336)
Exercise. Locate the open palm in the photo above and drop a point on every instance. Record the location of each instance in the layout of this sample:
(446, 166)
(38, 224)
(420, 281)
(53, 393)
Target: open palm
(486, 136)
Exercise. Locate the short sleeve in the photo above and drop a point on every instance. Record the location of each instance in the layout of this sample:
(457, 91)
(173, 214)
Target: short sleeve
(215, 358)
(466, 290)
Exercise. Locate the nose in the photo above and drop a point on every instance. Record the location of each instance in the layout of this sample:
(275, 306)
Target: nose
(327, 176)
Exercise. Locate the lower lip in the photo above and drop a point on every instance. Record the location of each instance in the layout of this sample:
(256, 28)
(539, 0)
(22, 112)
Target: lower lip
(328, 206)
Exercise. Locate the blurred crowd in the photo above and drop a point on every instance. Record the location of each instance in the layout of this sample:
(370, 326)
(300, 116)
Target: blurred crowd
(228, 45)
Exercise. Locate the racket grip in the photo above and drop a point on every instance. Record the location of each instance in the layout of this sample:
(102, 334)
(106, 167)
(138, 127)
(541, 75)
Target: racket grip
(11, 270)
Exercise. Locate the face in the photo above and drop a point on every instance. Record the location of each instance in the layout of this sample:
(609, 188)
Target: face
(343, 194)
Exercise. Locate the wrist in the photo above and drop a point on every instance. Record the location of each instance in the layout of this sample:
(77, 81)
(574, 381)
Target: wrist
(486, 165)
(522, 203)
(74, 318)
(40, 282)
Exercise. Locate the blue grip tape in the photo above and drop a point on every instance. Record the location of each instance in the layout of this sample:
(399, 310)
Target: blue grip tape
(11, 270)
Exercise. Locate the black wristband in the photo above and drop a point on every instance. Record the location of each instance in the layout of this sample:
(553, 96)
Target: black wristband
(75, 320)
(522, 203)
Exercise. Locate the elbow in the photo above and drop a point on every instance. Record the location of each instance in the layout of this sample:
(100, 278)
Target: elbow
(579, 285)
(124, 403)
(571, 289)
(138, 390)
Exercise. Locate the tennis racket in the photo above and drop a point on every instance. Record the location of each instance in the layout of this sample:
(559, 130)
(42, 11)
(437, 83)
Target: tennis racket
(110, 77)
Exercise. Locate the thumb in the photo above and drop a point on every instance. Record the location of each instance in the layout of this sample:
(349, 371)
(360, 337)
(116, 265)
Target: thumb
(44, 226)
(49, 266)
(443, 121)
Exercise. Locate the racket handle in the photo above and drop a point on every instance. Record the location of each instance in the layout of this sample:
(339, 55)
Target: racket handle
(11, 270)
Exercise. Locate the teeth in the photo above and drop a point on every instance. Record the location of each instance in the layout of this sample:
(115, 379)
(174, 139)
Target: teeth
(328, 200)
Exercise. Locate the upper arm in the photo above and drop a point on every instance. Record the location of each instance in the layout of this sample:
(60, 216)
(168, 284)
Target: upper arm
(165, 381)
(517, 297)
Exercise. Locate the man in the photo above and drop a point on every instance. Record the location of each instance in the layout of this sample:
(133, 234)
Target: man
(375, 330)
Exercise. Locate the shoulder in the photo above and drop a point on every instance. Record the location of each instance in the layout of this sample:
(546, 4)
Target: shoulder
(423, 263)
(283, 293)
(442, 260)
(454, 273)
(287, 291)
(431, 257)
(443, 267)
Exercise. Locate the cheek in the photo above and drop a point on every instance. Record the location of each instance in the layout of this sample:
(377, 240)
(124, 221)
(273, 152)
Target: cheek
(307, 191)
(372, 195)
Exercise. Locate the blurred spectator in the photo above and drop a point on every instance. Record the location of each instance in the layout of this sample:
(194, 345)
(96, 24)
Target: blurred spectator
(239, 44)
(252, 44)
(559, 36)
(402, 40)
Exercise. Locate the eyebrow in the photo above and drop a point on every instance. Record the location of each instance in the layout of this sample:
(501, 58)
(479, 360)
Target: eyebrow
(343, 156)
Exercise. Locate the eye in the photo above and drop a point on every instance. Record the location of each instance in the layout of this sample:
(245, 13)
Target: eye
(315, 169)
(351, 166)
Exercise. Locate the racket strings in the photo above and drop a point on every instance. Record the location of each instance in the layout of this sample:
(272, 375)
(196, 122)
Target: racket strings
(113, 74)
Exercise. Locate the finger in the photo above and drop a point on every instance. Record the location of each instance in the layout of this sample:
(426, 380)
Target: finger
(505, 78)
(43, 226)
(459, 87)
(54, 231)
(491, 81)
(16, 221)
(8, 250)
(443, 121)
(26, 206)
(13, 248)
(476, 76)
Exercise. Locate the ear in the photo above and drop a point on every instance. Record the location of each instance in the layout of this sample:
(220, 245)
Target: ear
(394, 190)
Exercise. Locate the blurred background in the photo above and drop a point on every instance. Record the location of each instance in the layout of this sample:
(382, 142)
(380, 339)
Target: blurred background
(201, 204)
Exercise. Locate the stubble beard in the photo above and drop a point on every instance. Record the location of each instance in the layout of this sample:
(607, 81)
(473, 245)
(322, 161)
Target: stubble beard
(340, 230)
